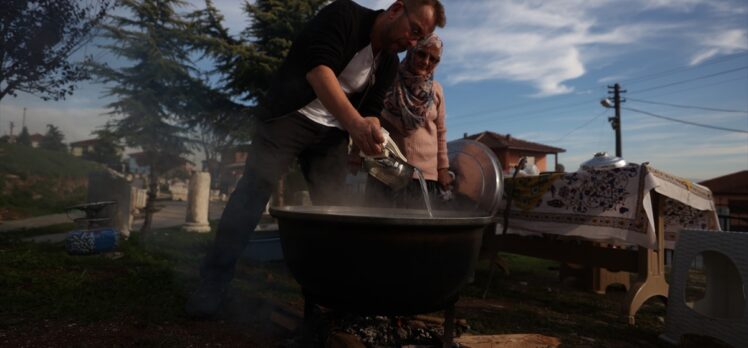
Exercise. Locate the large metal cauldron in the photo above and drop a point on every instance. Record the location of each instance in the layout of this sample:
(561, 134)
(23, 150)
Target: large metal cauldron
(379, 261)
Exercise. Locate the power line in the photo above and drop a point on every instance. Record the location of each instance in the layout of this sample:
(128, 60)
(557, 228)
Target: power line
(688, 106)
(698, 87)
(581, 126)
(657, 75)
(691, 80)
(466, 118)
(463, 121)
(687, 122)
(502, 108)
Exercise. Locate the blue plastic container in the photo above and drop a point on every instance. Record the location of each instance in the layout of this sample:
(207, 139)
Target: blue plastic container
(92, 241)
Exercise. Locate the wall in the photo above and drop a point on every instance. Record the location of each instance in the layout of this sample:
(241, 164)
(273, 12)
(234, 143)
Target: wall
(510, 158)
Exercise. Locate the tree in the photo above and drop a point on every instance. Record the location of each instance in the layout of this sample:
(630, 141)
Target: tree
(37, 37)
(212, 143)
(52, 140)
(153, 94)
(108, 149)
(247, 63)
(274, 26)
(24, 138)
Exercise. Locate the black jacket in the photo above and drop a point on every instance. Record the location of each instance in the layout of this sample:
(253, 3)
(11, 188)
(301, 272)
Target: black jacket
(331, 38)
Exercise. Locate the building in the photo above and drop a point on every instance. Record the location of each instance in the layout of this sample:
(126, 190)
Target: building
(80, 148)
(231, 167)
(36, 139)
(731, 198)
(8, 139)
(510, 149)
(136, 164)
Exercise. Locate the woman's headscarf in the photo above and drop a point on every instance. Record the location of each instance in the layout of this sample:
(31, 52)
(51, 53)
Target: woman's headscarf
(412, 95)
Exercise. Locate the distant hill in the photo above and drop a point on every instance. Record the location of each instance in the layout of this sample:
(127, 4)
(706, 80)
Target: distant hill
(38, 182)
(27, 161)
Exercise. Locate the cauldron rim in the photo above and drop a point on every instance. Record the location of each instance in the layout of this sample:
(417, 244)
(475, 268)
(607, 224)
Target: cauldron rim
(378, 216)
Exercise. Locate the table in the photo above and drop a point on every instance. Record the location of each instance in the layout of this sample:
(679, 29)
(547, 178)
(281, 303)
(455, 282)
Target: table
(609, 205)
(631, 213)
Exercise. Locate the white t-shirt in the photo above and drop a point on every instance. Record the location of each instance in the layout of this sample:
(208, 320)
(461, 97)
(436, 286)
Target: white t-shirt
(353, 79)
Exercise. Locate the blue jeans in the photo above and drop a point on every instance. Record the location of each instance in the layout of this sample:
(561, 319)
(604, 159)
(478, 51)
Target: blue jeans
(321, 152)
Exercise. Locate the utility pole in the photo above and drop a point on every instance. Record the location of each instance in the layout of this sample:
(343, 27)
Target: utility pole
(23, 125)
(615, 122)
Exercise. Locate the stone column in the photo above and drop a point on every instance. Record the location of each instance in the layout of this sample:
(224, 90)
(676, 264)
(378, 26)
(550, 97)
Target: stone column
(198, 200)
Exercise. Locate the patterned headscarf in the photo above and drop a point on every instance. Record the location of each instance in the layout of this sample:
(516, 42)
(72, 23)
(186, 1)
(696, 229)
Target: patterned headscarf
(412, 95)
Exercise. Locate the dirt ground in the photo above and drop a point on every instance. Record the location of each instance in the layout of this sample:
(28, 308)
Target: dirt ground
(239, 325)
(247, 324)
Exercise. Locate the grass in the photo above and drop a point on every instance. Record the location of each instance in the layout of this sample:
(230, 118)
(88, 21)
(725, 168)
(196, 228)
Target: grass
(151, 280)
(533, 300)
(16, 236)
(36, 182)
(143, 293)
(27, 161)
(44, 282)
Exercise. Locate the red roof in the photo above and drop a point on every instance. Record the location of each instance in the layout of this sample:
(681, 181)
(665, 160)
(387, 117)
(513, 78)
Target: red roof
(498, 141)
(86, 142)
(36, 137)
(139, 156)
(730, 184)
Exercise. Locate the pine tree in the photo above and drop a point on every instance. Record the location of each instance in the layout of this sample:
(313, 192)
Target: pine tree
(24, 138)
(153, 93)
(275, 24)
(249, 62)
(108, 150)
(53, 139)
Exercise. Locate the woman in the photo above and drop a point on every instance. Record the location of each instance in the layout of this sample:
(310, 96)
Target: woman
(414, 114)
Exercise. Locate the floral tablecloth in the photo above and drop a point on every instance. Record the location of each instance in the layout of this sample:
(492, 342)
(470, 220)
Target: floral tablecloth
(608, 205)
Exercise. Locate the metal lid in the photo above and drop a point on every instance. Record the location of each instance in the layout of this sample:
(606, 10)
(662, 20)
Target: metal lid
(602, 161)
(478, 175)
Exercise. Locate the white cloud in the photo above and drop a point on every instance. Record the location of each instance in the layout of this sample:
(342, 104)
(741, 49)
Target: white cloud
(729, 7)
(720, 43)
(680, 5)
(376, 4)
(548, 44)
(540, 43)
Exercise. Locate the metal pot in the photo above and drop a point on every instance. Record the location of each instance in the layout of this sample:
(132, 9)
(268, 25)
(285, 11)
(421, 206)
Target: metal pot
(379, 261)
(603, 161)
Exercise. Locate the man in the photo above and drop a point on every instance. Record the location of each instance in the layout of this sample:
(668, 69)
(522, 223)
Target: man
(330, 87)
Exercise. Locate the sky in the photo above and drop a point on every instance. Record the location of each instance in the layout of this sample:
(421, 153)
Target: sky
(538, 70)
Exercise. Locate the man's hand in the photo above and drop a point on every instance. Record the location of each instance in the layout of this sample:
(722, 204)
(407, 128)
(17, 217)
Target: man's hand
(445, 179)
(366, 135)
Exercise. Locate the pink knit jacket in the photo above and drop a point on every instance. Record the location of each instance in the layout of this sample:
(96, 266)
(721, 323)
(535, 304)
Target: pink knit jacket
(425, 147)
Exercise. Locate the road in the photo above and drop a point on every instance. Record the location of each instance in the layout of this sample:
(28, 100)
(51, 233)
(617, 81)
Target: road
(170, 214)
(174, 213)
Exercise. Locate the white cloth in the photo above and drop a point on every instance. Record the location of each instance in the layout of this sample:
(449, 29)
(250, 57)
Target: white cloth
(610, 205)
(352, 79)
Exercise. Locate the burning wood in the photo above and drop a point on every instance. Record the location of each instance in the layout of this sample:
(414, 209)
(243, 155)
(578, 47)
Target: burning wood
(387, 331)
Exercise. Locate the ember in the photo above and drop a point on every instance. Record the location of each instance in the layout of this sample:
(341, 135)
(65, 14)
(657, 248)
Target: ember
(387, 331)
